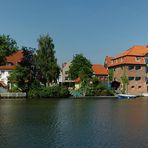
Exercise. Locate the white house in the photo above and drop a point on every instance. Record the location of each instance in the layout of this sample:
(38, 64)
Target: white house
(11, 62)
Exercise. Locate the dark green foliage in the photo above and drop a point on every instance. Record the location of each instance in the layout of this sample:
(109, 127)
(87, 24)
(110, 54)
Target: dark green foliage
(24, 76)
(111, 74)
(48, 70)
(7, 47)
(93, 87)
(80, 67)
(49, 92)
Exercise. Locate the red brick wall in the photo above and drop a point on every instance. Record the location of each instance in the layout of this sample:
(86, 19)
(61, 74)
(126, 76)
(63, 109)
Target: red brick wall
(134, 86)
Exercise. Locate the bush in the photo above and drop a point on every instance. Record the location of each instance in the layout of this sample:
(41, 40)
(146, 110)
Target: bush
(49, 92)
(106, 93)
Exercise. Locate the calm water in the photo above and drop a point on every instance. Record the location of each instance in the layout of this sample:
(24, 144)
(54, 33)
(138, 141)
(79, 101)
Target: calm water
(70, 123)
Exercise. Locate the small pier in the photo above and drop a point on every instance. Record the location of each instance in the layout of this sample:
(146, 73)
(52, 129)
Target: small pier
(12, 95)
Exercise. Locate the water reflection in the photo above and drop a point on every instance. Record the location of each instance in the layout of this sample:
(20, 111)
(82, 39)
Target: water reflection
(74, 123)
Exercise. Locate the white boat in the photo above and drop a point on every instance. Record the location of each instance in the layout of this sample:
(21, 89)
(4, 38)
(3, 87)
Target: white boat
(126, 96)
(145, 94)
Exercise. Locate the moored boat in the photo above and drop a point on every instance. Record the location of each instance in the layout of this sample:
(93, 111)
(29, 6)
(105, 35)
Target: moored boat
(145, 95)
(126, 96)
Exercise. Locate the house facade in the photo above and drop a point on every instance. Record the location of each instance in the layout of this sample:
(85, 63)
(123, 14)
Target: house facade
(99, 71)
(11, 62)
(130, 66)
(65, 70)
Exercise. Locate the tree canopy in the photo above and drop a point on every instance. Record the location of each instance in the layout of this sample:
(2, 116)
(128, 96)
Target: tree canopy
(25, 74)
(80, 67)
(7, 47)
(45, 60)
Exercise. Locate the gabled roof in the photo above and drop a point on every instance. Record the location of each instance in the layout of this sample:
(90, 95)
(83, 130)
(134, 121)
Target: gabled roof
(15, 57)
(137, 50)
(130, 56)
(99, 69)
(108, 61)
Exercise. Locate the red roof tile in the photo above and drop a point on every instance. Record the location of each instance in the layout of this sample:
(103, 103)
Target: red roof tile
(15, 57)
(99, 69)
(134, 51)
(130, 55)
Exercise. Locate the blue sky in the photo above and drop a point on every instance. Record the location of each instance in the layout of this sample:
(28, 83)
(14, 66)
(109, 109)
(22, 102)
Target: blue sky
(95, 28)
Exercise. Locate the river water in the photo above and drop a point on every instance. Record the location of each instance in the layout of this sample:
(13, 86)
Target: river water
(74, 123)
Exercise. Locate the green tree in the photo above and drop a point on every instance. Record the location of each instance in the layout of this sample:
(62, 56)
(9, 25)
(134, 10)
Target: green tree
(111, 74)
(80, 67)
(48, 69)
(124, 81)
(24, 76)
(7, 47)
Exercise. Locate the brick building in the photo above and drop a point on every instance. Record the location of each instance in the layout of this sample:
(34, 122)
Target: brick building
(132, 64)
(100, 72)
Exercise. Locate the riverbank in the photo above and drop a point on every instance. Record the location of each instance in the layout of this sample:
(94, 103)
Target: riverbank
(94, 97)
(12, 95)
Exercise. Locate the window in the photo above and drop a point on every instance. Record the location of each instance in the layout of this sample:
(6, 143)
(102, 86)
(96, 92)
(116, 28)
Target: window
(66, 78)
(138, 58)
(137, 78)
(130, 67)
(139, 87)
(137, 67)
(66, 72)
(130, 78)
(146, 60)
(146, 69)
(146, 80)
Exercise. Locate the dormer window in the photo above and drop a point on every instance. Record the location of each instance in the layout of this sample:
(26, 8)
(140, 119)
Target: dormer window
(138, 58)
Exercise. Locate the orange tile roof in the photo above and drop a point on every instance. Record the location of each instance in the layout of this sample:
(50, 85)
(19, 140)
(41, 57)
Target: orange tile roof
(7, 67)
(15, 57)
(130, 55)
(137, 50)
(99, 69)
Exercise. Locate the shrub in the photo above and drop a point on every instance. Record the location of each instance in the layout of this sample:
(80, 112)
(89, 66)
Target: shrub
(106, 93)
(50, 92)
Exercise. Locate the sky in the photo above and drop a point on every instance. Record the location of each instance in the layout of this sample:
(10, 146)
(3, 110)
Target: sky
(95, 28)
